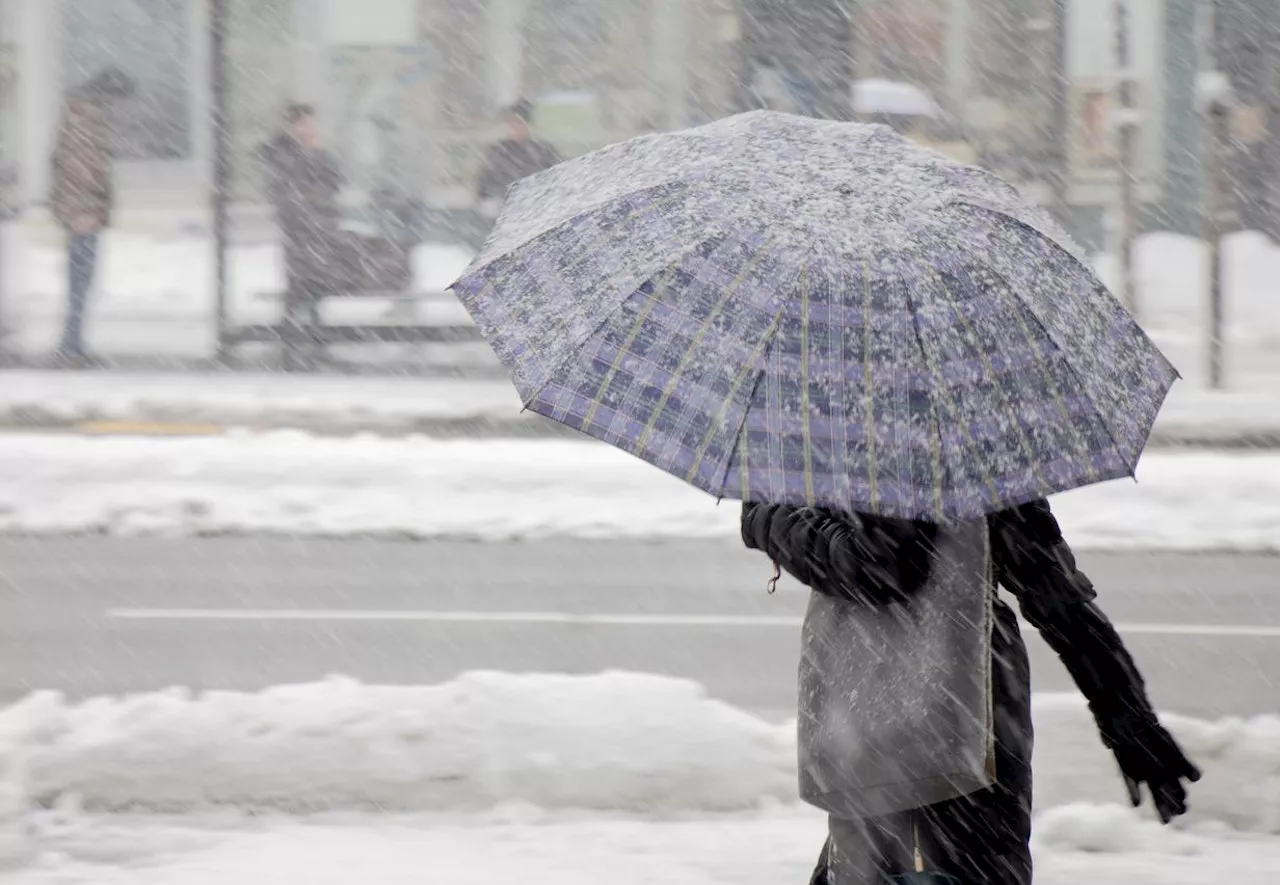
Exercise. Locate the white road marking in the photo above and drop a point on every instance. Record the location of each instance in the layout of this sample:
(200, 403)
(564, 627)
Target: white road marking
(620, 619)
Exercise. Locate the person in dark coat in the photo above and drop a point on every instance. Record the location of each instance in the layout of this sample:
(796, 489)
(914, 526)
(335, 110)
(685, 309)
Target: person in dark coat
(985, 837)
(517, 156)
(82, 196)
(302, 182)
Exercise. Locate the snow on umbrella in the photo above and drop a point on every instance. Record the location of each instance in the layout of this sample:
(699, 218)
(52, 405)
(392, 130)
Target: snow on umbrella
(802, 311)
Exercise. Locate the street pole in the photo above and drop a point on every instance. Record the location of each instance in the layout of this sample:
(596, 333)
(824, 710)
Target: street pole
(1219, 194)
(957, 58)
(1060, 125)
(1127, 130)
(221, 123)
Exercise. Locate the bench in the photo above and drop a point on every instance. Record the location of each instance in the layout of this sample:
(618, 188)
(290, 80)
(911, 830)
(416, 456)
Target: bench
(389, 332)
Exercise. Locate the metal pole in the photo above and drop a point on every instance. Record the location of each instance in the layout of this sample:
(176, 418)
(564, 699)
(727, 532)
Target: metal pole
(957, 57)
(1060, 126)
(1219, 194)
(221, 123)
(1127, 129)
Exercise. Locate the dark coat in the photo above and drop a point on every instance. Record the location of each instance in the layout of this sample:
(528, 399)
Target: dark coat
(983, 837)
(302, 185)
(510, 160)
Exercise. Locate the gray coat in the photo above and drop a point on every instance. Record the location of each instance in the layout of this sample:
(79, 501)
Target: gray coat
(895, 700)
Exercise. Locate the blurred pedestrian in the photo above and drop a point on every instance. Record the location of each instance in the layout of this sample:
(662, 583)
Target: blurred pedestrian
(516, 156)
(82, 195)
(303, 181)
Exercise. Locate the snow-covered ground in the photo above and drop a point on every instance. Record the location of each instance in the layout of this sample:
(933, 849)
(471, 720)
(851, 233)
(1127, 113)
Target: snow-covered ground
(551, 778)
(289, 482)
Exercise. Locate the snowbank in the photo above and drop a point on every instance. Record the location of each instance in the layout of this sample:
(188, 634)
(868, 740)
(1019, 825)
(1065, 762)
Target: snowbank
(328, 402)
(615, 742)
(289, 482)
(350, 404)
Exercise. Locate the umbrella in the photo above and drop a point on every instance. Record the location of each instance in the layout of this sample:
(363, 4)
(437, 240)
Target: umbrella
(892, 97)
(801, 311)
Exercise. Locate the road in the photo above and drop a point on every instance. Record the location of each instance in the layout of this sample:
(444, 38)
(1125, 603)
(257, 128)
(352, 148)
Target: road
(94, 615)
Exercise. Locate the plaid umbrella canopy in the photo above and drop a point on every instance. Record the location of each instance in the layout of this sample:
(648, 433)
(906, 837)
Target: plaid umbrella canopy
(777, 308)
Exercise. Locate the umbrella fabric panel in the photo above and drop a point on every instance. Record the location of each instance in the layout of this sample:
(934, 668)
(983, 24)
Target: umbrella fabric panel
(669, 378)
(1115, 364)
(545, 201)
(1016, 426)
(917, 393)
(843, 411)
(537, 306)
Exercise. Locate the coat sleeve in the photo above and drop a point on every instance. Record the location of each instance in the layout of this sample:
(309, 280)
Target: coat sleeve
(1034, 562)
(855, 558)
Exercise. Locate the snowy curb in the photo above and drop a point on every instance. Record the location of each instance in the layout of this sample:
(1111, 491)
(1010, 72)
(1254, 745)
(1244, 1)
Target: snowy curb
(500, 490)
(337, 405)
(619, 742)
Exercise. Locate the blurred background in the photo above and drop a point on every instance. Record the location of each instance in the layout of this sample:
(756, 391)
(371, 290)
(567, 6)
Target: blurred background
(1102, 110)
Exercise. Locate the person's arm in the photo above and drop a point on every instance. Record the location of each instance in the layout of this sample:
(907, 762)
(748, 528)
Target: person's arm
(857, 559)
(1034, 562)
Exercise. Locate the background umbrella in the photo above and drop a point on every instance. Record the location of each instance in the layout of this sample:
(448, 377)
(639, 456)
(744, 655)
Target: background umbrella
(802, 311)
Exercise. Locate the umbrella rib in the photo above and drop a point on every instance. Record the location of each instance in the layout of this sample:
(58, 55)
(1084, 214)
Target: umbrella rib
(939, 466)
(1022, 301)
(1027, 449)
(1057, 392)
(756, 258)
(575, 351)
(479, 264)
(764, 350)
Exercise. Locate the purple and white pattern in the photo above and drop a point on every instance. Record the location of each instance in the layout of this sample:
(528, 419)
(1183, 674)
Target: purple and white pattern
(795, 310)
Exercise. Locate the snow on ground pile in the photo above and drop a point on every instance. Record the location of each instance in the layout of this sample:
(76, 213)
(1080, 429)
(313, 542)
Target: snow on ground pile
(614, 741)
(623, 742)
(288, 482)
(336, 403)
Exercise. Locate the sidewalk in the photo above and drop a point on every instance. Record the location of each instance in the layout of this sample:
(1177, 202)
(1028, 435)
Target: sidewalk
(395, 405)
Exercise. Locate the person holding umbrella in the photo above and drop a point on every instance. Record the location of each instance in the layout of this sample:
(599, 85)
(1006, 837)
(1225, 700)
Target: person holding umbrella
(893, 361)
(983, 836)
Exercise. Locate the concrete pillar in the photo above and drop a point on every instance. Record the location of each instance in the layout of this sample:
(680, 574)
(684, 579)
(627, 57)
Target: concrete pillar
(40, 93)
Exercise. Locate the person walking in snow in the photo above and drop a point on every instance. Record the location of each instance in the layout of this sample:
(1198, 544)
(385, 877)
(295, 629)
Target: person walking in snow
(982, 838)
(82, 195)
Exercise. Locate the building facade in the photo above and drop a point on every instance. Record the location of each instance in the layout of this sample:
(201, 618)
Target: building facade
(407, 89)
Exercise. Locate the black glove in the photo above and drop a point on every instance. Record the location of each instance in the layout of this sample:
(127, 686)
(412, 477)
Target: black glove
(756, 521)
(1148, 754)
